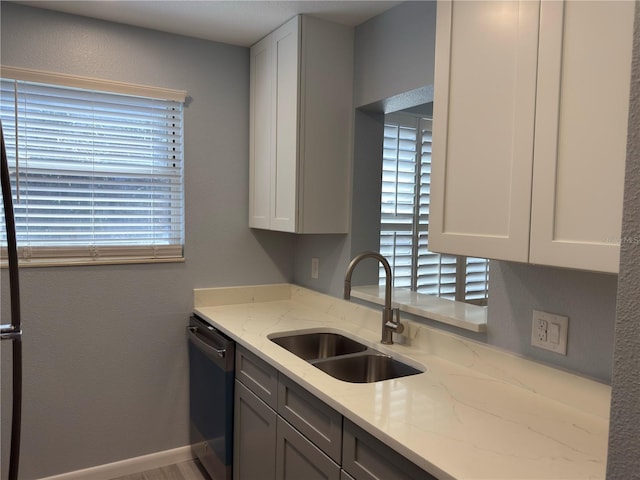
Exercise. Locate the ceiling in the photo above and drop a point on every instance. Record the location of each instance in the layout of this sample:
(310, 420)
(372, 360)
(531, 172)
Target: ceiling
(236, 22)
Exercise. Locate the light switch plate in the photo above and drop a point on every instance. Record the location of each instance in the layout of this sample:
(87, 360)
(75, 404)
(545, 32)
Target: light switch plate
(550, 331)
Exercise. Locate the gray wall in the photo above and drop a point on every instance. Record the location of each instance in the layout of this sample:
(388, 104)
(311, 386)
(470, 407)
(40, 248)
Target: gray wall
(394, 54)
(587, 298)
(624, 437)
(104, 347)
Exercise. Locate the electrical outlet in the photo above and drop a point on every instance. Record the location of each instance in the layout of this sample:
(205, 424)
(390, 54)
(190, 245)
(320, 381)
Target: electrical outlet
(541, 329)
(315, 265)
(550, 331)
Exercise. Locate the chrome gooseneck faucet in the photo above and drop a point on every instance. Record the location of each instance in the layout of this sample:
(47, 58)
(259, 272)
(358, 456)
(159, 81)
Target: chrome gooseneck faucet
(389, 324)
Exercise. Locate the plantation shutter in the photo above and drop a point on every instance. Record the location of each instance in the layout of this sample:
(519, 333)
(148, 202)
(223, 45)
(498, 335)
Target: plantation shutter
(404, 219)
(436, 273)
(476, 279)
(95, 175)
(397, 218)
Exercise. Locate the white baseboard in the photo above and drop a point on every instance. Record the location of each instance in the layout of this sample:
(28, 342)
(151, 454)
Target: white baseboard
(129, 466)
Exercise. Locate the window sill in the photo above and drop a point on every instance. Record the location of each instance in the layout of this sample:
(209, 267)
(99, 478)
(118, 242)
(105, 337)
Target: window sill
(459, 314)
(69, 262)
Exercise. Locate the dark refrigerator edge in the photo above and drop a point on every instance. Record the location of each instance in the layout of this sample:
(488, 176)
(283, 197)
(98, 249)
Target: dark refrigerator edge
(12, 331)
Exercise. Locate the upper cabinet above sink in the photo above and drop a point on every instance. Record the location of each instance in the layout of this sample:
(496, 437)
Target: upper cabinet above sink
(300, 127)
(529, 131)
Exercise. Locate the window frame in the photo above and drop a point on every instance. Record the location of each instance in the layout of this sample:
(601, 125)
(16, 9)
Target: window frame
(104, 252)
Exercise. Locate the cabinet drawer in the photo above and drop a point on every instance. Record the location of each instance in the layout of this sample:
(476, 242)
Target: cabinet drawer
(257, 375)
(367, 458)
(314, 419)
(299, 459)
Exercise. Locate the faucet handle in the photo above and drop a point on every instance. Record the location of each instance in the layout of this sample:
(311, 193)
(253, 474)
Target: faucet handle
(395, 324)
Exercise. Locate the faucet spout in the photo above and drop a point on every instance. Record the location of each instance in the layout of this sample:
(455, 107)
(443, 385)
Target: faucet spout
(389, 323)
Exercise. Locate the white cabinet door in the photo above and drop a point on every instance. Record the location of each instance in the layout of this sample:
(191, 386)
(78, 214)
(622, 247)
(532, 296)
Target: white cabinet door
(530, 131)
(284, 171)
(584, 72)
(260, 145)
(273, 171)
(484, 106)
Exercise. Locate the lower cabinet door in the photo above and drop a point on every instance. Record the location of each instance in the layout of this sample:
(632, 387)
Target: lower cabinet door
(254, 444)
(299, 459)
(367, 458)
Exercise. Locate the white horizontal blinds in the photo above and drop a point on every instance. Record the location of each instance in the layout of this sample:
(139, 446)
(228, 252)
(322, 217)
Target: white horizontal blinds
(398, 215)
(99, 174)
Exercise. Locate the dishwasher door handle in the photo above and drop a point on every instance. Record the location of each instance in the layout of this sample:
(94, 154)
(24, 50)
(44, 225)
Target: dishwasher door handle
(204, 346)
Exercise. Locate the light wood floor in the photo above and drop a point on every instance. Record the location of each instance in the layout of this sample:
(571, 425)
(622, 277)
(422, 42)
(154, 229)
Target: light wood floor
(180, 471)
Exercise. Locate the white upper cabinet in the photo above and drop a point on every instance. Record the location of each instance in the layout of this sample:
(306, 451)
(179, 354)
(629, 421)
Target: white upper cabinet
(529, 133)
(260, 138)
(300, 128)
(484, 106)
(582, 106)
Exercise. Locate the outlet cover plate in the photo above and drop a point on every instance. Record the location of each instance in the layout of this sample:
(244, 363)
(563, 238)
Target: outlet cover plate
(555, 330)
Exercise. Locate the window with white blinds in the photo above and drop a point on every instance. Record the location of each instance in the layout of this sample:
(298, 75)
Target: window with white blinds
(404, 219)
(95, 175)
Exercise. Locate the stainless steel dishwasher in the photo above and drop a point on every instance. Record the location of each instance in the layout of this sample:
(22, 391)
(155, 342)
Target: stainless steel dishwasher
(211, 377)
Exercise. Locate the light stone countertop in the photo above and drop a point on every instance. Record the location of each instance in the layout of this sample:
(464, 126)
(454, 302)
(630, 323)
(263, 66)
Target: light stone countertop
(476, 413)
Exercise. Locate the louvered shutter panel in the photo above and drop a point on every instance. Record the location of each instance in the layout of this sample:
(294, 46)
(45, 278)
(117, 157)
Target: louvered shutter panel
(476, 279)
(397, 219)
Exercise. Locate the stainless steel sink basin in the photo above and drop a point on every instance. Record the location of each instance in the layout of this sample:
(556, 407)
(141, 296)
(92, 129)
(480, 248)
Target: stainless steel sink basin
(365, 368)
(312, 346)
(344, 358)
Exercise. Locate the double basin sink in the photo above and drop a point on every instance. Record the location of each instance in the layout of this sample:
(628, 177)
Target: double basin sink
(344, 358)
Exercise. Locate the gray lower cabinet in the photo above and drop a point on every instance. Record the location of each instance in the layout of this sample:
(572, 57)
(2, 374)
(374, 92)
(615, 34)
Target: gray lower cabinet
(318, 422)
(297, 458)
(283, 432)
(266, 446)
(254, 433)
(257, 375)
(367, 458)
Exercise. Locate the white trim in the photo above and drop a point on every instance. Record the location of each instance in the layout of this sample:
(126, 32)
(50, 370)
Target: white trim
(68, 262)
(129, 466)
(75, 81)
(459, 314)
